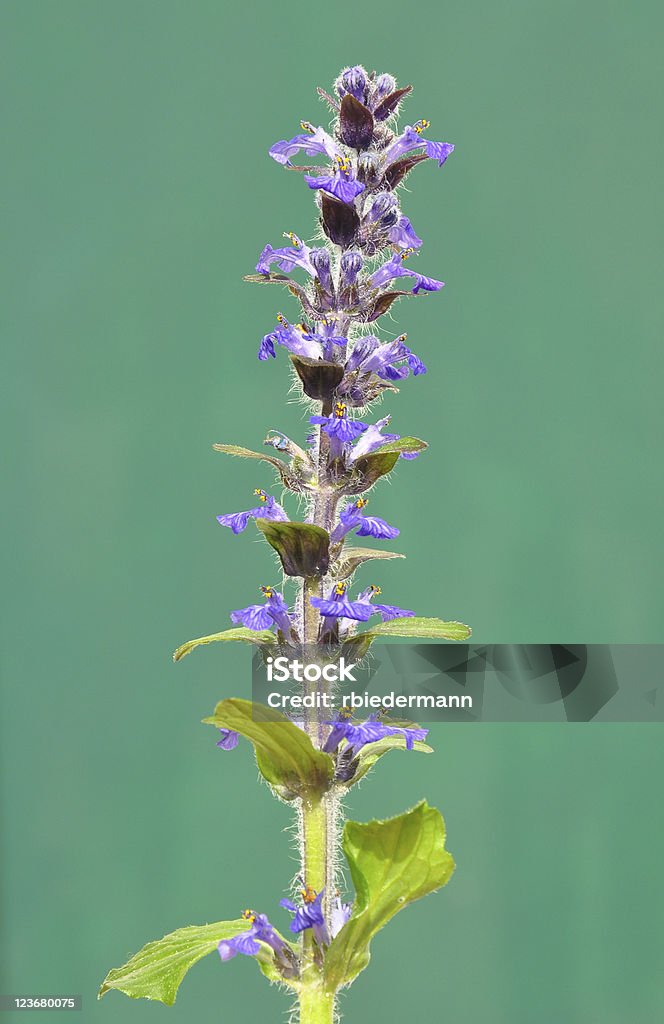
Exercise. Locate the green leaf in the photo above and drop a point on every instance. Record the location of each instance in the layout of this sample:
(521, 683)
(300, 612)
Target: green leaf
(371, 752)
(381, 461)
(157, 970)
(267, 278)
(319, 378)
(351, 558)
(404, 444)
(304, 549)
(392, 863)
(286, 756)
(247, 453)
(370, 468)
(434, 629)
(262, 637)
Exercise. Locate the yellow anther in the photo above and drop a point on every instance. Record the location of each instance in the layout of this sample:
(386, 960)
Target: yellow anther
(340, 589)
(293, 238)
(375, 590)
(402, 337)
(343, 164)
(260, 494)
(307, 126)
(268, 592)
(308, 894)
(345, 712)
(281, 319)
(421, 125)
(340, 410)
(249, 915)
(361, 503)
(407, 252)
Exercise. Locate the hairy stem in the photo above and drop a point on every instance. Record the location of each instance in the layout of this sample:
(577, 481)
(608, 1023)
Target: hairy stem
(316, 1005)
(318, 815)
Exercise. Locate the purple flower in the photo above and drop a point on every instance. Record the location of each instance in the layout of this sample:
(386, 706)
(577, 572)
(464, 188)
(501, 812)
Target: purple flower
(269, 509)
(340, 913)
(358, 735)
(386, 360)
(371, 438)
(326, 334)
(309, 915)
(395, 268)
(313, 142)
(229, 739)
(249, 942)
(287, 259)
(338, 425)
(411, 138)
(264, 616)
(341, 183)
(386, 611)
(403, 234)
(293, 337)
(353, 518)
(339, 606)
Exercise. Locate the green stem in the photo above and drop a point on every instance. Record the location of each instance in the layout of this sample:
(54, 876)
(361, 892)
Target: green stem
(316, 1005)
(318, 813)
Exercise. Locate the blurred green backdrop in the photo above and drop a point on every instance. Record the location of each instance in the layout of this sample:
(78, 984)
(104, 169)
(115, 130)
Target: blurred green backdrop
(137, 191)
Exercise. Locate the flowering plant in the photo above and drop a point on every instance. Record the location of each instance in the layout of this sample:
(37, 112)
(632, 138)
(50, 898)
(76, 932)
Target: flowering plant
(353, 275)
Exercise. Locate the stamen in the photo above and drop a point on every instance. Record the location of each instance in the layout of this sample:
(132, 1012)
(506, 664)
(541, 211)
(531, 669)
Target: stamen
(340, 410)
(345, 712)
(308, 894)
(407, 252)
(375, 590)
(260, 494)
(342, 164)
(421, 125)
(281, 319)
(307, 126)
(297, 242)
(340, 589)
(361, 503)
(249, 915)
(402, 337)
(268, 591)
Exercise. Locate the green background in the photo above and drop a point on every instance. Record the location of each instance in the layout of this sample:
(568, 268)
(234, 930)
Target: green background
(137, 191)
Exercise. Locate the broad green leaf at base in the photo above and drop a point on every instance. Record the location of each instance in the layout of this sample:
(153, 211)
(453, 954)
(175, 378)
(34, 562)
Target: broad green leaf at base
(392, 863)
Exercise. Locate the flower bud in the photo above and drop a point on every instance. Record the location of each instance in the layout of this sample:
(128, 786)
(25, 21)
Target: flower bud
(320, 259)
(351, 264)
(353, 80)
(385, 209)
(384, 85)
(369, 169)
